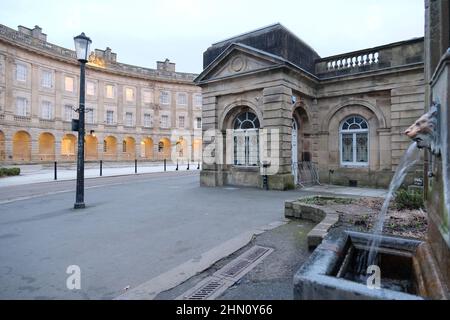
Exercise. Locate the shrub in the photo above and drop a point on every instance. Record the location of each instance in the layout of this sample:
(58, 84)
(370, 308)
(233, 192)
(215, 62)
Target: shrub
(405, 199)
(9, 172)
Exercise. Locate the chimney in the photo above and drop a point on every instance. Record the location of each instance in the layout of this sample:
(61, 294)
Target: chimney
(36, 32)
(165, 65)
(106, 54)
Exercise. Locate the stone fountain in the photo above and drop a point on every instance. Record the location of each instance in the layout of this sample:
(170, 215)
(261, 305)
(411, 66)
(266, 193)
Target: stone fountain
(408, 269)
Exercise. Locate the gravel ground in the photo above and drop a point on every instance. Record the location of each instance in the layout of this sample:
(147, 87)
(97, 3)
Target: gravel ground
(362, 214)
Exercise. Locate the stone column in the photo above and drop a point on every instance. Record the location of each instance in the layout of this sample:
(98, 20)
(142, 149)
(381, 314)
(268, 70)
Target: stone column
(35, 83)
(211, 174)
(277, 114)
(58, 89)
(9, 84)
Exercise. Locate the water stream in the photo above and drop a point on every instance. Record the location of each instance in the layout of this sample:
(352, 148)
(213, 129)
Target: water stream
(409, 159)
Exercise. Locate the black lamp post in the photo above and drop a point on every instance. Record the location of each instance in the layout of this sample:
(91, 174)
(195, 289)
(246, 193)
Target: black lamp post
(82, 44)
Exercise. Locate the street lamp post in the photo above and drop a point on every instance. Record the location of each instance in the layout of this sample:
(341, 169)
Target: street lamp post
(82, 44)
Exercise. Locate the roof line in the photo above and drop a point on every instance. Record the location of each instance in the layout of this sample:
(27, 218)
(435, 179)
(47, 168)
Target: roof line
(261, 52)
(246, 33)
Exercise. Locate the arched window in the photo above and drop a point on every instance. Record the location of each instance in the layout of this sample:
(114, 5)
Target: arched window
(246, 139)
(354, 141)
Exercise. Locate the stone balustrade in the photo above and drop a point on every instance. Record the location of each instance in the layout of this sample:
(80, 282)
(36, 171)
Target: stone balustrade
(35, 42)
(22, 118)
(352, 61)
(387, 56)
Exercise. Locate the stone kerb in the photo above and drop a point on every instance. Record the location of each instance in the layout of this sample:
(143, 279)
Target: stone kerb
(325, 217)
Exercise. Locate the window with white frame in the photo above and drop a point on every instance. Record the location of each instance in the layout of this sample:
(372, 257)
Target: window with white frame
(46, 79)
(69, 84)
(198, 124)
(129, 94)
(90, 88)
(46, 110)
(146, 96)
(22, 107)
(354, 141)
(68, 112)
(109, 91)
(21, 72)
(197, 100)
(147, 120)
(182, 99)
(89, 115)
(164, 97)
(164, 121)
(181, 122)
(109, 117)
(129, 119)
(246, 139)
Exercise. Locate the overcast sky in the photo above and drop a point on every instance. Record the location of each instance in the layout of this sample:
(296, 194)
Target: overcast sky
(143, 31)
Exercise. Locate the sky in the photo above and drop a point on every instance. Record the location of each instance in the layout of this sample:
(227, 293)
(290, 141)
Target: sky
(144, 31)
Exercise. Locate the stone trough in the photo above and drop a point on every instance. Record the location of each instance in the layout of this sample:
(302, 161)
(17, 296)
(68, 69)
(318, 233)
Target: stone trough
(332, 271)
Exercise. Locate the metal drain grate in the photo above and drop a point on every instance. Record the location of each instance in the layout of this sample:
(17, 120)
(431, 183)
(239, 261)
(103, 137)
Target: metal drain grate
(221, 280)
(245, 262)
(236, 268)
(206, 290)
(255, 253)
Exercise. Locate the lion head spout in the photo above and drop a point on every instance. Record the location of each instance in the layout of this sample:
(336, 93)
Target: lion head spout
(423, 130)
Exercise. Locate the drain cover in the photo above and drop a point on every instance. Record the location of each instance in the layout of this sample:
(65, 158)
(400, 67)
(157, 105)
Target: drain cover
(245, 262)
(213, 286)
(205, 289)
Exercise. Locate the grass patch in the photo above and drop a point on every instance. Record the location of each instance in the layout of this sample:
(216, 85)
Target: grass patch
(322, 201)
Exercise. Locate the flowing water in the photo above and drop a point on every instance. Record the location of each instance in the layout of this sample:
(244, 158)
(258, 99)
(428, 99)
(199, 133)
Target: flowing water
(409, 159)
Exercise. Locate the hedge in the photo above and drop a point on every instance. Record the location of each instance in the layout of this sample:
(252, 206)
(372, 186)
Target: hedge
(9, 172)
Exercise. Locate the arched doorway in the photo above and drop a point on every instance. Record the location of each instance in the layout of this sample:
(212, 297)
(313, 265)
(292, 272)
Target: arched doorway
(181, 149)
(197, 146)
(303, 169)
(46, 146)
(129, 148)
(68, 147)
(147, 148)
(303, 134)
(90, 147)
(2, 146)
(110, 148)
(164, 149)
(294, 150)
(21, 146)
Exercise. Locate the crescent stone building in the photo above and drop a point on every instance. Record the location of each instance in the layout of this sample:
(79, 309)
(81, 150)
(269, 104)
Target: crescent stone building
(131, 112)
(338, 119)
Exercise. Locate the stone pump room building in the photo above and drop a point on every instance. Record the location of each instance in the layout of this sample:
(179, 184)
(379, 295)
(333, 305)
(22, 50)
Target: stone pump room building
(339, 119)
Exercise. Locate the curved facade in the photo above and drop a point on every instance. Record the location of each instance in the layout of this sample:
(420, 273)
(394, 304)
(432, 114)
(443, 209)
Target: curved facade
(129, 110)
(306, 101)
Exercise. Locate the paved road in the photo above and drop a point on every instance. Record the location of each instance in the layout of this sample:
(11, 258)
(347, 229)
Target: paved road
(133, 229)
(14, 192)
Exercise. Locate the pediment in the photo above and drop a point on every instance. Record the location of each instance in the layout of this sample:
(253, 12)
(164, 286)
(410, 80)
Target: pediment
(237, 61)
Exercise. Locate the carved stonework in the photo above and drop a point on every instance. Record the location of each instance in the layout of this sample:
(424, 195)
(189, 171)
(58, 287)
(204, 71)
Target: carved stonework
(96, 61)
(425, 130)
(237, 64)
